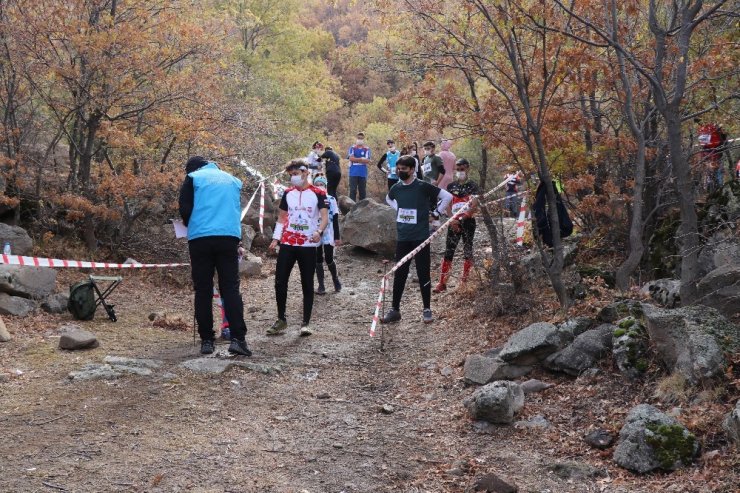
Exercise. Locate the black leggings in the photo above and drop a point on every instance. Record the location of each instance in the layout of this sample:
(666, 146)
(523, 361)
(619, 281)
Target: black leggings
(209, 254)
(467, 232)
(423, 261)
(287, 257)
(332, 182)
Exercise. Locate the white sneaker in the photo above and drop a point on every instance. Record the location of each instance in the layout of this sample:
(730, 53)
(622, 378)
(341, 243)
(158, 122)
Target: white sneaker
(305, 331)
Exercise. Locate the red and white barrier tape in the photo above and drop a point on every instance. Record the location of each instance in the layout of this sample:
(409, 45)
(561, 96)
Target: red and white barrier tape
(251, 199)
(426, 242)
(520, 222)
(80, 264)
(262, 207)
(376, 316)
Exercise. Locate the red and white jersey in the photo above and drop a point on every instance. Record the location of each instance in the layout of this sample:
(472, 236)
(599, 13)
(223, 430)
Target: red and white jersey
(304, 216)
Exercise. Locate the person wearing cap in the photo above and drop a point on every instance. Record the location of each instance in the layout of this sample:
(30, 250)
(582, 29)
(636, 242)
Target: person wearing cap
(433, 167)
(390, 157)
(329, 239)
(412, 200)
(359, 157)
(210, 208)
(463, 190)
(302, 222)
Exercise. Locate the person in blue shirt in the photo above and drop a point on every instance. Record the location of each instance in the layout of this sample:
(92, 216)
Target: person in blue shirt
(210, 208)
(359, 157)
(390, 157)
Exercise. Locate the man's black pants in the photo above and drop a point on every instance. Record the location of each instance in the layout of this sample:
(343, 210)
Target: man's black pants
(211, 254)
(423, 261)
(287, 257)
(332, 182)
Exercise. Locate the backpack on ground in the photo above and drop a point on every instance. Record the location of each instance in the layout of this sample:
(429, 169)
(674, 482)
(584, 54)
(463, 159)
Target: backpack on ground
(81, 302)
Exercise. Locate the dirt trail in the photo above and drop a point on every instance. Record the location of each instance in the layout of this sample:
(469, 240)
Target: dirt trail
(316, 425)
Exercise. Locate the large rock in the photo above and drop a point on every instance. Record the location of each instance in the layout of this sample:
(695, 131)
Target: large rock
(56, 303)
(271, 212)
(74, 339)
(618, 310)
(572, 328)
(27, 282)
(345, 204)
(666, 292)
(532, 344)
(720, 289)
(584, 352)
(4, 334)
(630, 347)
(20, 242)
(248, 234)
(481, 369)
(731, 424)
(651, 440)
(15, 305)
(250, 266)
(496, 402)
(532, 262)
(691, 340)
(372, 226)
(723, 248)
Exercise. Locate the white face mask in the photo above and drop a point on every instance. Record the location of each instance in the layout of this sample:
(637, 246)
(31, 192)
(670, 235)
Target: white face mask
(413, 153)
(360, 142)
(296, 180)
(427, 152)
(460, 175)
(392, 148)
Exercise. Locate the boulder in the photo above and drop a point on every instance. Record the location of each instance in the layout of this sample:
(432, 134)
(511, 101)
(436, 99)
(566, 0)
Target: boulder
(720, 289)
(15, 305)
(4, 334)
(722, 248)
(263, 240)
(496, 402)
(666, 292)
(630, 347)
(619, 310)
(490, 483)
(74, 339)
(56, 303)
(345, 204)
(532, 262)
(731, 424)
(572, 328)
(27, 282)
(481, 369)
(533, 385)
(532, 344)
(584, 352)
(372, 226)
(20, 242)
(250, 266)
(651, 440)
(691, 340)
(248, 234)
(271, 212)
(599, 438)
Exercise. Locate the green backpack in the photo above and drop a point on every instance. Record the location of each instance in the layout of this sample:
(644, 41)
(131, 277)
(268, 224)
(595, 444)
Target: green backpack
(81, 302)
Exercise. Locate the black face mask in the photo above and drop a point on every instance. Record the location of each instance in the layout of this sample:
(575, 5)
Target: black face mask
(404, 175)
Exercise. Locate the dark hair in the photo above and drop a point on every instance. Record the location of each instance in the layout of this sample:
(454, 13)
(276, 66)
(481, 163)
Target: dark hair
(406, 161)
(389, 141)
(462, 161)
(328, 148)
(404, 150)
(429, 143)
(315, 144)
(360, 134)
(296, 164)
(194, 163)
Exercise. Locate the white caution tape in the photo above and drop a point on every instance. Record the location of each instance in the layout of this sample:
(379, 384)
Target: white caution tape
(80, 264)
(376, 316)
(251, 199)
(520, 223)
(262, 207)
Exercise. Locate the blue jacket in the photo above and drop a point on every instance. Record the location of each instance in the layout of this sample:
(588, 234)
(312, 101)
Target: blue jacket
(215, 206)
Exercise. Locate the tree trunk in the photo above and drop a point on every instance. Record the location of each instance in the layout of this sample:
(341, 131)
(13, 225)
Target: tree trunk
(636, 242)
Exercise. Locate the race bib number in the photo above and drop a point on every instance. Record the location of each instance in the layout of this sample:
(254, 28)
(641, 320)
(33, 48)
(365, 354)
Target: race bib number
(456, 207)
(299, 227)
(406, 216)
(427, 168)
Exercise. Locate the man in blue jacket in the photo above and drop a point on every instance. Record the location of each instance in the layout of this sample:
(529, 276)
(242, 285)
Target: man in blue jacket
(210, 208)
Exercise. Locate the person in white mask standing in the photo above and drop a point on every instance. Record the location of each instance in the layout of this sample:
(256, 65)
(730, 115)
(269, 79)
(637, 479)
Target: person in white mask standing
(359, 157)
(303, 219)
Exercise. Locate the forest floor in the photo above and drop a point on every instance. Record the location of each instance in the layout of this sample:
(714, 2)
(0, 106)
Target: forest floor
(315, 423)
